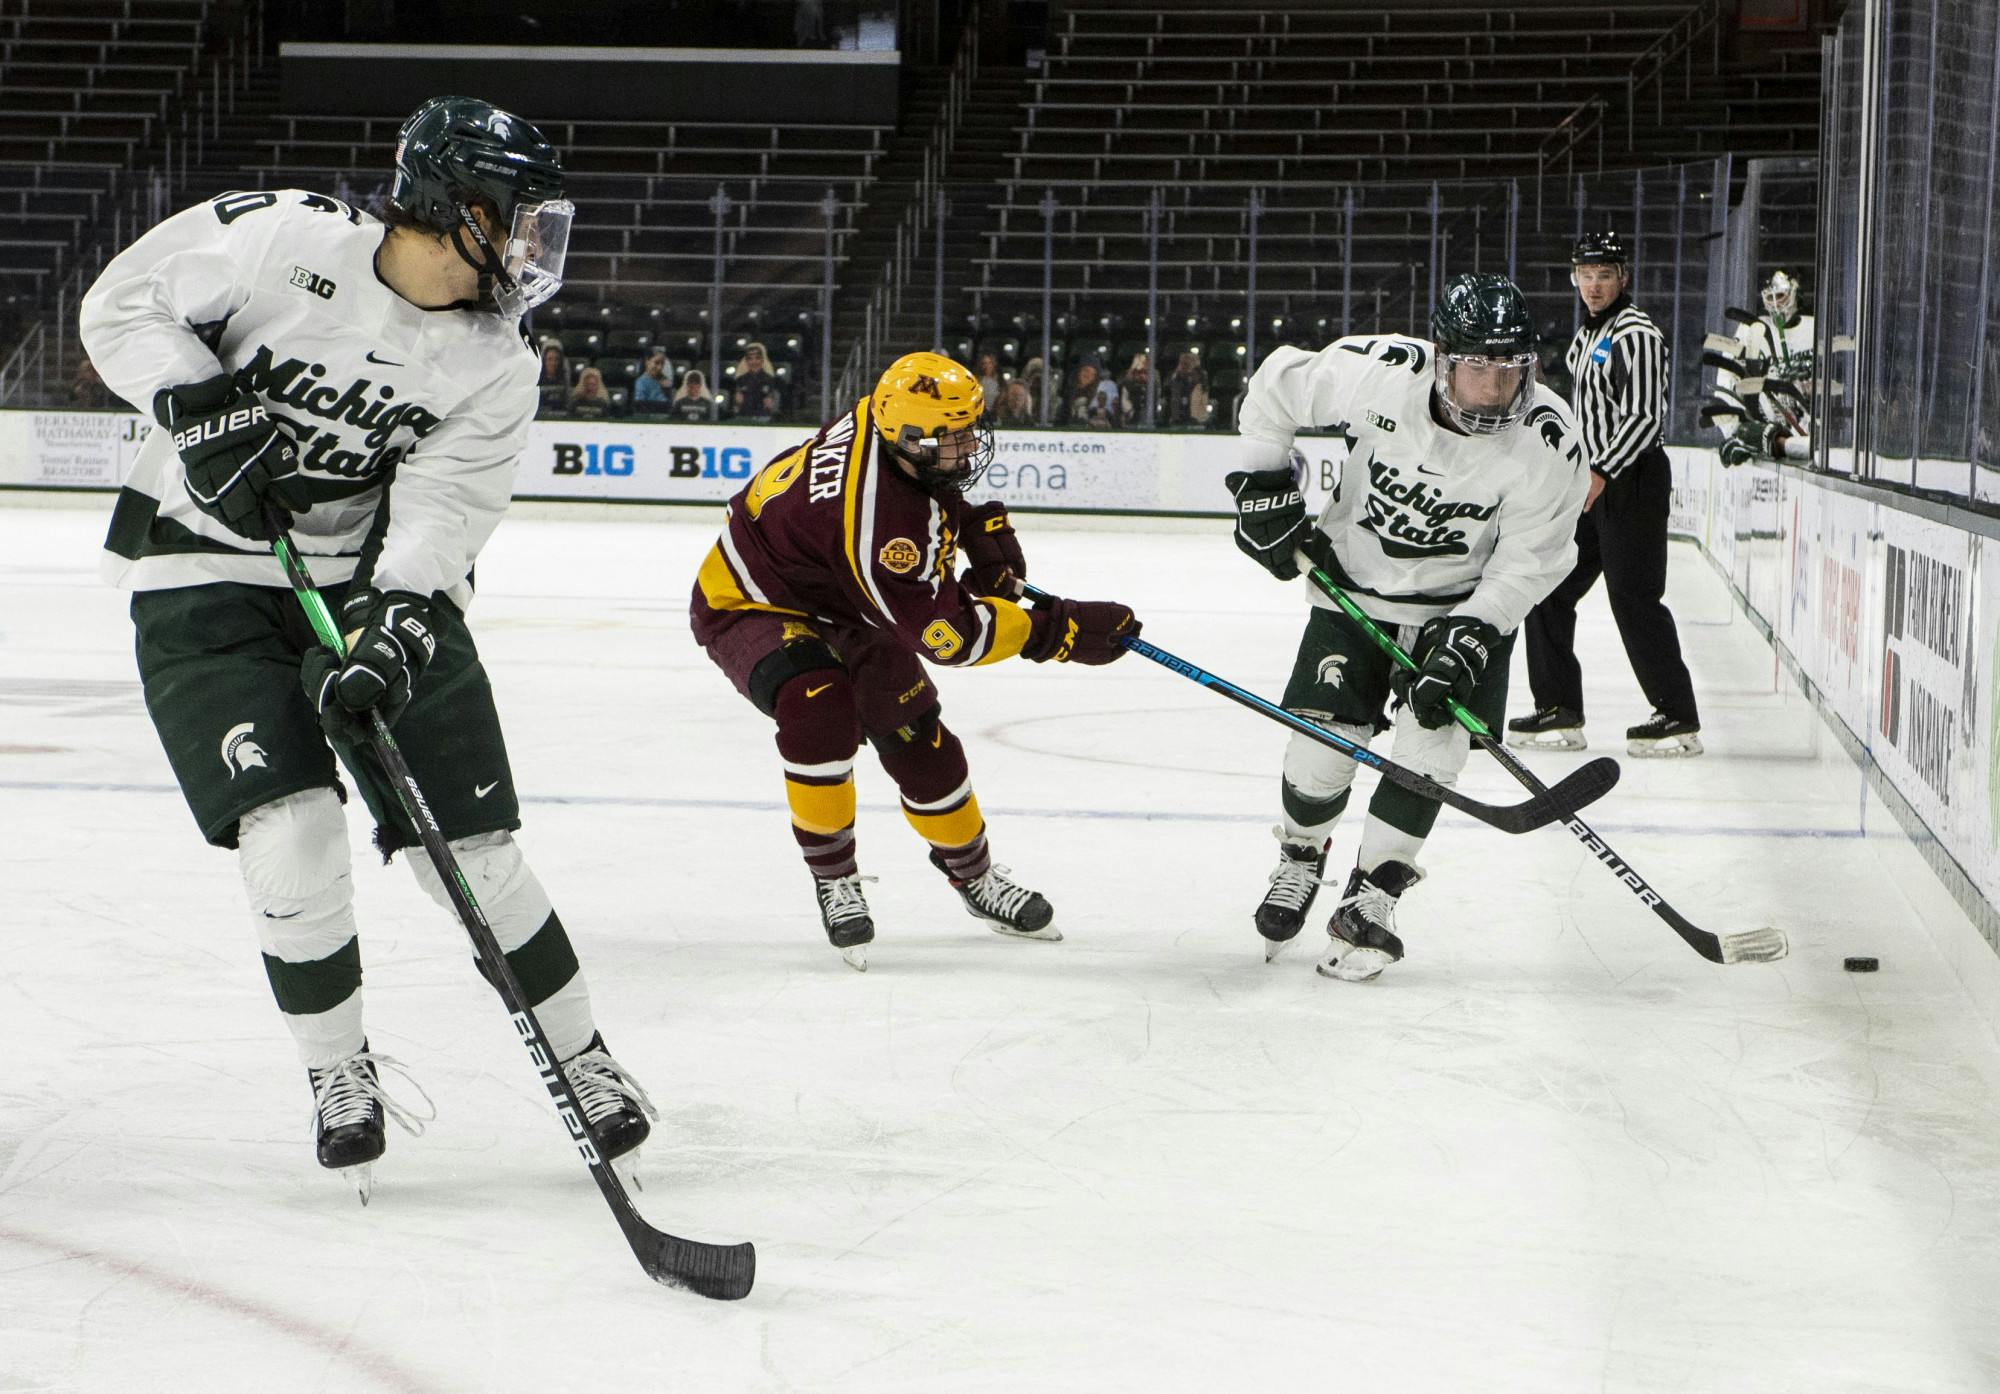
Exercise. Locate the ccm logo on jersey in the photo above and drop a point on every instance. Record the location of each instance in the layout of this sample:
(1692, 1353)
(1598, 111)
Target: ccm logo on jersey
(219, 426)
(317, 284)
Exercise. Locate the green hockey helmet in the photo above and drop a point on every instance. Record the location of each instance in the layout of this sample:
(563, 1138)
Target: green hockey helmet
(1485, 360)
(454, 152)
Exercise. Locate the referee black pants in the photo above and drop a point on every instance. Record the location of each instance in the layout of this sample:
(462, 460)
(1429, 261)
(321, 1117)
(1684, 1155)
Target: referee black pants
(1623, 538)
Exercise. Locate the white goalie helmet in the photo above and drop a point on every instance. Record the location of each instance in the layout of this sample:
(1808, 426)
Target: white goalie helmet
(1781, 296)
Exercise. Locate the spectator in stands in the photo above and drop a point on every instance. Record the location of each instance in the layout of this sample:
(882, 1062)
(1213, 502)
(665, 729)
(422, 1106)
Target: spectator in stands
(555, 365)
(653, 389)
(694, 402)
(590, 400)
(1132, 390)
(1032, 375)
(1087, 404)
(755, 393)
(1017, 405)
(87, 391)
(1187, 394)
(987, 369)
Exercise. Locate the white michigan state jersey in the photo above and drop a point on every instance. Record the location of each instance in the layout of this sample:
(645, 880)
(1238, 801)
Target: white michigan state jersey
(1424, 520)
(409, 422)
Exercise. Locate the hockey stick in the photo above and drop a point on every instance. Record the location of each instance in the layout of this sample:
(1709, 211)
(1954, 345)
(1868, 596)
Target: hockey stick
(1748, 946)
(723, 1271)
(1587, 785)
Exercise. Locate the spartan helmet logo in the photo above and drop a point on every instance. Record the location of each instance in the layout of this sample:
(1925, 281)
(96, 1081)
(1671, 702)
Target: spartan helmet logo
(239, 751)
(1330, 669)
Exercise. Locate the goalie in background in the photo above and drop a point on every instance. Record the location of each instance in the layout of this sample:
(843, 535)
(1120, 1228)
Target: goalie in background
(1763, 378)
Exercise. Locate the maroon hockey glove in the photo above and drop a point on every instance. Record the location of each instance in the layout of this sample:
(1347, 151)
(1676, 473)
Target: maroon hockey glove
(993, 552)
(1078, 631)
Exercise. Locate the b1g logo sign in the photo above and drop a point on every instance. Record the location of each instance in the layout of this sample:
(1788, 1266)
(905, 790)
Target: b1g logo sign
(592, 458)
(711, 462)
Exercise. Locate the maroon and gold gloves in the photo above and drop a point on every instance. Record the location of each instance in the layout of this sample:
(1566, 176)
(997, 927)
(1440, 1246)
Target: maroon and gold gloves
(1078, 631)
(993, 557)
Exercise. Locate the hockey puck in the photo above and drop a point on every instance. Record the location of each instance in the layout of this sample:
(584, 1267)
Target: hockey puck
(1860, 965)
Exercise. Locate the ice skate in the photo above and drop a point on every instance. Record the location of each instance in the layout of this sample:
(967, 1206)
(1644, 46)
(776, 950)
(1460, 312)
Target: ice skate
(843, 912)
(1363, 927)
(1007, 908)
(1662, 737)
(1551, 728)
(1294, 882)
(348, 1109)
(615, 1108)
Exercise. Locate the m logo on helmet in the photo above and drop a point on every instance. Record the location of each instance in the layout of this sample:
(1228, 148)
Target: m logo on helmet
(928, 386)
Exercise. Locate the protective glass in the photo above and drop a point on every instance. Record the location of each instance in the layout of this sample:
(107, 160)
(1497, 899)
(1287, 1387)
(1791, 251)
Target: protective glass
(1484, 396)
(532, 260)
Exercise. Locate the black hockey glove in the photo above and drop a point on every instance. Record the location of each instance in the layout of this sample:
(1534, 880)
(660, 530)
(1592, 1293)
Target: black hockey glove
(993, 552)
(1753, 440)
(1450, 653)
(235, 457)
(1078, 631)
(391, 638)
(1270, 518)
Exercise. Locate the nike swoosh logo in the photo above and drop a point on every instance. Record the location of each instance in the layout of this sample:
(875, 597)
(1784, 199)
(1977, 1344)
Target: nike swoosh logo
(387, 363)
(815, 691)
(1426, 469)
(480, 791)
(937, 740)
(293, 916)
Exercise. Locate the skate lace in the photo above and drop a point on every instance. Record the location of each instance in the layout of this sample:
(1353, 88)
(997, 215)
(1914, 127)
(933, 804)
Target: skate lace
(1293, 883)
(841, 900)
(345, 1093)
(998, 894)
(603, 1087)
(1656, 722)
(1376, 905)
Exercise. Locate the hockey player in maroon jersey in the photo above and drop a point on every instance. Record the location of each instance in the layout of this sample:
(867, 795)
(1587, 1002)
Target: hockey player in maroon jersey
(835, 573)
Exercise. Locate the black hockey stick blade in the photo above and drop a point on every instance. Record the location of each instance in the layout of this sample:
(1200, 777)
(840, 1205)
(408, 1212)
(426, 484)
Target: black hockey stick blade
(725, 1272)
(1574, 791)
(1740, 315)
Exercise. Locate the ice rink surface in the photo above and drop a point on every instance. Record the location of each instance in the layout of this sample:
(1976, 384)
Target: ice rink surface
(1553, 1150)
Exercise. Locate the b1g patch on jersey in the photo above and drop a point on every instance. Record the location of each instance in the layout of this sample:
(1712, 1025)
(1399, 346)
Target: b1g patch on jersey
(901, 556)
(308, 280)
(1381, 423)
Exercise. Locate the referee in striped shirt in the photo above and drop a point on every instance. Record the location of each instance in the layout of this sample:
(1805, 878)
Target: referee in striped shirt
(1618, 362)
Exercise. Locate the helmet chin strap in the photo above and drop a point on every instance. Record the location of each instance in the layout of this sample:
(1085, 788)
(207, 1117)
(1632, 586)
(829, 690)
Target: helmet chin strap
(489, 266)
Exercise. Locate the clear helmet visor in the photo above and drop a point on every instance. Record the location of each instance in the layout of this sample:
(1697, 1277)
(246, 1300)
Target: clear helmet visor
(1483, 395)
(532, 260)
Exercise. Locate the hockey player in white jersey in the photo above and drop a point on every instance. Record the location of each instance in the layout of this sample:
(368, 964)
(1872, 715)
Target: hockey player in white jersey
(1454, 513)
(1762, 402)
(371, 382)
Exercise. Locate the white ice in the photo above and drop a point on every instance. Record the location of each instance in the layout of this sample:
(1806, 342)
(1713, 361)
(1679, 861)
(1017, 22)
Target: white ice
(1553, 1150)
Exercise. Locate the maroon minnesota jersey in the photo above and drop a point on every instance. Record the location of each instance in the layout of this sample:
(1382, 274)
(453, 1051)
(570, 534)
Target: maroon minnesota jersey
(835, 531)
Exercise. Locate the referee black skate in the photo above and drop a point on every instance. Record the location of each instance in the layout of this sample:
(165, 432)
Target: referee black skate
(1618, 361)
